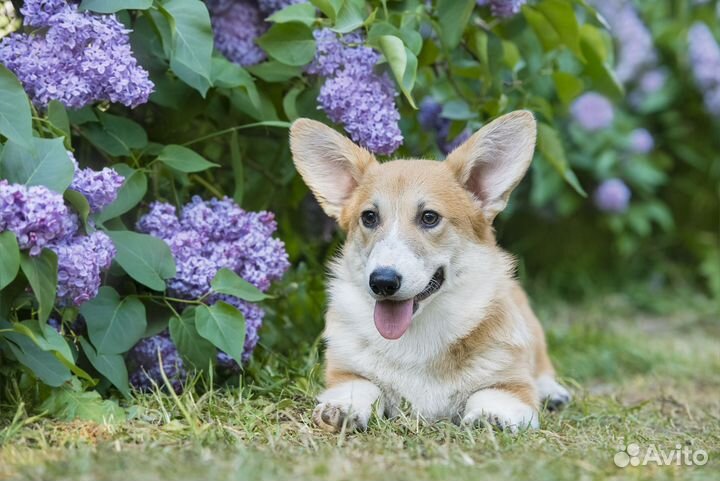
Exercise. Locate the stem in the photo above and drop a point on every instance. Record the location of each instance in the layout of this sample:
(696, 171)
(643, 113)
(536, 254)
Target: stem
(269, 123)
(207, 185)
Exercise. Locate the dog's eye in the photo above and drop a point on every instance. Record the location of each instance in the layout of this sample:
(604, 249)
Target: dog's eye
(369, 218)
(429, 218)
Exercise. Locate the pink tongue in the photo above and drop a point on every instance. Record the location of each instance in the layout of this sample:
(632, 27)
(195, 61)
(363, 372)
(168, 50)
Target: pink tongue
(392, 318)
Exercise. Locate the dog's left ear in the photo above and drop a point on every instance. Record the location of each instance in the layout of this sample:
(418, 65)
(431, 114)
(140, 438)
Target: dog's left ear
(491, 163)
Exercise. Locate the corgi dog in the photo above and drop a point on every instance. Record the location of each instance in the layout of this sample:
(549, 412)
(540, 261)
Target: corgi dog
(423, 304)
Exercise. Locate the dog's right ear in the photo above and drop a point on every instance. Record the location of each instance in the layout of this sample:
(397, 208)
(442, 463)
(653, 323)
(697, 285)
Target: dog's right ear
(329, 163)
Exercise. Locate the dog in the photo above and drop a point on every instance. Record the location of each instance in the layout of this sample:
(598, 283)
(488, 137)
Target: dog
(423, 304)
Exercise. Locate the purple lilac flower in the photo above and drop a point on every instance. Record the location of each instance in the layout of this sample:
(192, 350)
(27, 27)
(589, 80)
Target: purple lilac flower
(430, 119)
(502, 8)
(705, 63)
(652, 80)
(635, 43)
(641, 141)
(35, 214)
(612, 196)
(592, 111)
(145, 368)
(77, 58)
(216, 234)
(268, 7)
(236, 24)
(81, 261)
(100, 188)
(353, 94)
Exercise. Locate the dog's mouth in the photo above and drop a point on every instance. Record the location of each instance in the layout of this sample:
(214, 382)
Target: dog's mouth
(393, 318)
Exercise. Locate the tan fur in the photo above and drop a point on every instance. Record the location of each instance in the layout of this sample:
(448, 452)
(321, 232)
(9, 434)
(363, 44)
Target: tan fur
(475, 348)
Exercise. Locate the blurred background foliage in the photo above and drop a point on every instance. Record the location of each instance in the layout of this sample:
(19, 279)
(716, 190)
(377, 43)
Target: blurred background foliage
(623, 194)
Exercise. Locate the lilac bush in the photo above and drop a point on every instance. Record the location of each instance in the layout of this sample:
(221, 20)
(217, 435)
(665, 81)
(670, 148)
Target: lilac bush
(353, 94)
(77, 58)
(592, 112)
(612, 196)
(503, 8)
(705, 63)
(210, 235)
(144, 366)
(431, 120)
(41, 219)
(641, 141)
(236, 25)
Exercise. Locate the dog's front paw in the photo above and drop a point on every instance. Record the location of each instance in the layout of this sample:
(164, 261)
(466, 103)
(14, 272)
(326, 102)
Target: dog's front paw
(501, 410)
(334, 417)
(552, 394)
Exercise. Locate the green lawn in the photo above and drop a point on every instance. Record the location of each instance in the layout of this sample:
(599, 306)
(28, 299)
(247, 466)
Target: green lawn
(638, 376)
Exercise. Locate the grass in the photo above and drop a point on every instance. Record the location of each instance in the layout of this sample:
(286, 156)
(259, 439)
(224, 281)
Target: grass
(637, 376)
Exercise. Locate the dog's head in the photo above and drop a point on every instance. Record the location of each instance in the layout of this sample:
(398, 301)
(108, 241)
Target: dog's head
(409, 222)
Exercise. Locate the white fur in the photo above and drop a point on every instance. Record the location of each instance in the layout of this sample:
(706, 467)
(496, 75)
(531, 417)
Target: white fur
(405, 368)
(551, 391)
(354, 398)
(501, 409)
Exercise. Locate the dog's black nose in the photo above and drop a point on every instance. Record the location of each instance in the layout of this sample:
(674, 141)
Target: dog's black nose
(385, 281)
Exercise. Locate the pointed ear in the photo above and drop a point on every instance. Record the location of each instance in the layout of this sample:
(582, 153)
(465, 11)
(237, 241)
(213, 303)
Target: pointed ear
(329, 163)
(494, 160)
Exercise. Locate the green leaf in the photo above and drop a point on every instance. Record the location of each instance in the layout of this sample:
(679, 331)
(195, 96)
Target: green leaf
(226, 74)
(197, 351)
(41, 273)
(560, 14)
(15, 116)
(192, 42)
(550, 146)
(227, 282)
(453, 16)
(549, 38)
(58, 116)
(70, 403)
(290, 102)
(273, 71)
(46, 163)
(112, 366)
(47, 339)
(403, 64)
(114, 324)
(349, 17)
(145, 258)
(457, 109)
(130, 194)
(183, 159)
(79, 203)
(289, 43)
(42, 363)
(224, 326)
(116, 135)
(329, 7)
(602, 75)
(299, 12)
(112, 6)
(9, 258)
(568, 86)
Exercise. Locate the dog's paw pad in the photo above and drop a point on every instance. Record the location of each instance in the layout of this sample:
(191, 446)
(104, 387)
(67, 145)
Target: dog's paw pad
(333, 417)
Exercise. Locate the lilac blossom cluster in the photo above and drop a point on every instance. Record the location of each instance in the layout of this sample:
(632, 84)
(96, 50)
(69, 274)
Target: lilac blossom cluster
(636, 51)
(144, 365)
(641, 141)
(592, 112)
(236, 24)
(502, 8)
(612, 196)
(431, 119)
(100, 188)
(216, 234)
(353, 95)
(77, 58)
(269, 7)
(40, 219)
(705, 63)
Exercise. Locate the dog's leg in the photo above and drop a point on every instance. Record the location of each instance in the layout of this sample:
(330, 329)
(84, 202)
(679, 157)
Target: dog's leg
(505, 407)
(347, 404)
(552, 394)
